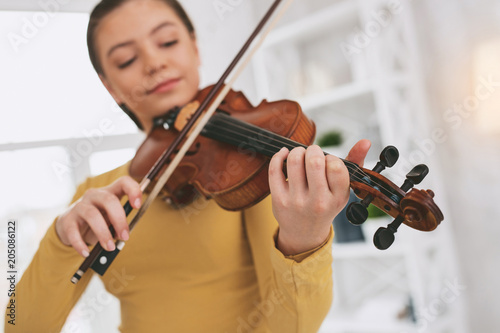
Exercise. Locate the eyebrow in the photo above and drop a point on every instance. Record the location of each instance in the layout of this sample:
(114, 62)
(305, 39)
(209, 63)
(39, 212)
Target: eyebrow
(160, 26)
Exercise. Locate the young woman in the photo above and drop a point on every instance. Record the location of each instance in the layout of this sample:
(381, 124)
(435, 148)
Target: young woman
(207, 271)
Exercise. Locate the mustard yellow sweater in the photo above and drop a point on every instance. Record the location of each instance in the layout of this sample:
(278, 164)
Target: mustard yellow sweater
(197, 269)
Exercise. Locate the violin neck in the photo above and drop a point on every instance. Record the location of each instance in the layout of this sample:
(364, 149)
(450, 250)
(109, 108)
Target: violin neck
(224, 128)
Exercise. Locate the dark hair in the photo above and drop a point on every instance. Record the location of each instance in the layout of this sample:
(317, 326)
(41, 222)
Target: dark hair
(105, 7)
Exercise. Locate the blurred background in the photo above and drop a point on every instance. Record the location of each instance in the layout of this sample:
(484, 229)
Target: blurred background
(421, 75)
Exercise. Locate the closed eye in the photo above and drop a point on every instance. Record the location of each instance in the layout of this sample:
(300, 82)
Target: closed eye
(127, 63)
(168, 44)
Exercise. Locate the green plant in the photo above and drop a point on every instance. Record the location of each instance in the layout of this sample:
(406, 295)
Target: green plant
(374, 211)
(331, 138)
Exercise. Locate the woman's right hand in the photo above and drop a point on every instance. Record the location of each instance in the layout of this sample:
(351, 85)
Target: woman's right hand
(87, 220)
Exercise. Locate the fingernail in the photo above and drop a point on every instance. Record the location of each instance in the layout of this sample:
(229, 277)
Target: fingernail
(111, 245)
(124, 235)
(85, 253)
(137, 203)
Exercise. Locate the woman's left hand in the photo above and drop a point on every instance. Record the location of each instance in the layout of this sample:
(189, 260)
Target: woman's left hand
(316, 191)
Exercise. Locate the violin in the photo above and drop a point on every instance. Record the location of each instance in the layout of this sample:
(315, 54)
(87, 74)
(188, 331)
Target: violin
(228, 163)
(225, 146)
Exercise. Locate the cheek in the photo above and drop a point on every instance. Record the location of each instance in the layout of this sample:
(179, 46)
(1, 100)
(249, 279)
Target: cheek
(194, 69)
(190, 71)
(129, 84)
(188, 60)
(132, 94)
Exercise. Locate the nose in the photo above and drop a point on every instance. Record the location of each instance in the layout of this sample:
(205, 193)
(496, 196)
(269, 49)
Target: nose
(154, 61)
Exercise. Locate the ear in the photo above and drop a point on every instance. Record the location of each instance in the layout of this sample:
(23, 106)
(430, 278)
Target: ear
(110, 89)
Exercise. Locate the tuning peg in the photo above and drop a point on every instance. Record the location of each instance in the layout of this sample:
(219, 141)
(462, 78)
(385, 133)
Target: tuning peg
(357, 213)
(388, 157)
(384, 237)
(415, 176)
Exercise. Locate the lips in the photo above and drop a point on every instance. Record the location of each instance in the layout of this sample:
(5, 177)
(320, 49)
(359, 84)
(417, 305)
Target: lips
(164, 86)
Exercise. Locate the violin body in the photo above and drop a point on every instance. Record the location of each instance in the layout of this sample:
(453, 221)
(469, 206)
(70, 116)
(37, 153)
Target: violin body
(235, 177)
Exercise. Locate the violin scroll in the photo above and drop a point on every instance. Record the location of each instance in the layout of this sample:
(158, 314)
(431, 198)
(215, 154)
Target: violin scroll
(415, 208)
(420, 211)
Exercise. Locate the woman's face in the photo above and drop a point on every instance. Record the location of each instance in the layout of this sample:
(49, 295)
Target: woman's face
(150, 60)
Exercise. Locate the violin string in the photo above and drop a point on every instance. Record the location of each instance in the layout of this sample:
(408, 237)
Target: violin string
(284, 141)
(355, 170)
(292, 144)
(220, 131)
(228, 120)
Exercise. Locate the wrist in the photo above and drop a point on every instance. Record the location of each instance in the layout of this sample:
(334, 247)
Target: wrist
(292, 244)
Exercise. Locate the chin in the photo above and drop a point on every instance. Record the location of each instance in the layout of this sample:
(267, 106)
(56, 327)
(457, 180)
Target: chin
(165, 102)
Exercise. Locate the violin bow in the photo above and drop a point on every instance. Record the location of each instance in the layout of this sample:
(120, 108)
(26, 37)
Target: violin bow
(99, 259)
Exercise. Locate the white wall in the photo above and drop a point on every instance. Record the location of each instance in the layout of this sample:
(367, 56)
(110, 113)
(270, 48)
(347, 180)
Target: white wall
(450, 32)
